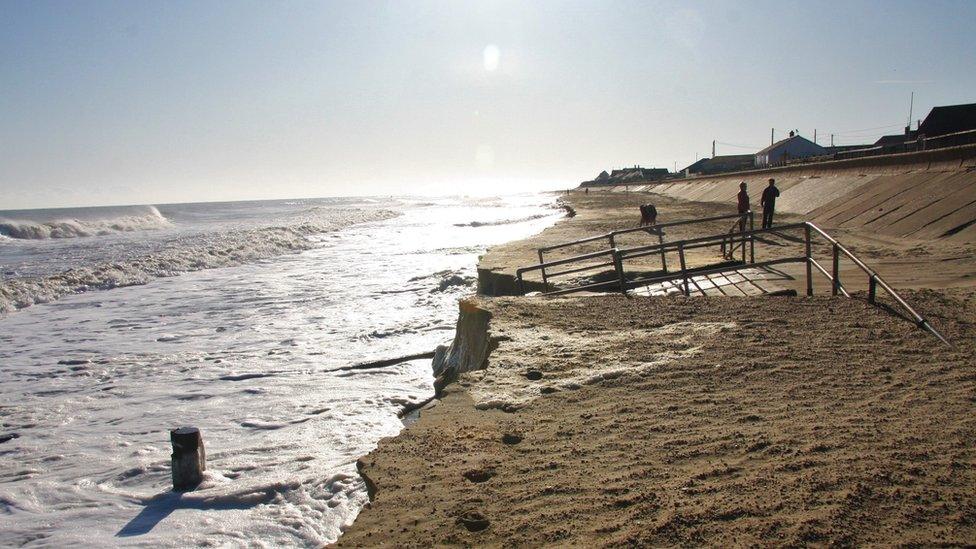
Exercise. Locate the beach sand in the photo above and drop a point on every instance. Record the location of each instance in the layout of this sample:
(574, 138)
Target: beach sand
(712, 421)
(605, 420)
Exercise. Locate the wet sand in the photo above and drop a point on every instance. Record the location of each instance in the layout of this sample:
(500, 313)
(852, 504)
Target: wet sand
(674, 421)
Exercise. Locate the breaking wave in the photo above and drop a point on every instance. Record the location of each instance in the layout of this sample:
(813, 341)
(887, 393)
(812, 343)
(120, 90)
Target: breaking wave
(501, 221)
(179, 256)
(141, 219)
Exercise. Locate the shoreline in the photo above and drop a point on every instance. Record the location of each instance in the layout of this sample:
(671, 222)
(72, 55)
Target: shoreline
(535, 394)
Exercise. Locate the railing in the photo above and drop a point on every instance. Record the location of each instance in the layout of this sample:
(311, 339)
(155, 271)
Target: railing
(734, 241)
(611, 239)
(620, 256)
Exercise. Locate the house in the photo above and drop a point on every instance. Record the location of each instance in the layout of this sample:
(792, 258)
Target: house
(791, 148)
(845, 148)
(948, 119)
(637, 174)
(722, 164)
(628, 176)
(694, 168)
(895, 139)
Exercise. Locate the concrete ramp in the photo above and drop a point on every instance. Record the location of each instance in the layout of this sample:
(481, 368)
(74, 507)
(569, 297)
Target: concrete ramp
(744, 281)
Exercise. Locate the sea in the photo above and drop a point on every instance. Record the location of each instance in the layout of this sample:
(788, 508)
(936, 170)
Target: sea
(118, 324)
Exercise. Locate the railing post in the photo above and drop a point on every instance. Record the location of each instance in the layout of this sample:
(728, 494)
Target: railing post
(872, 288)
(836, 285)
(613, 243)
(806, 230)
(664, 259)
(545, 279)
(618, 265)
(684, 268)
(521, 283)
(743, 249)
(752, 239)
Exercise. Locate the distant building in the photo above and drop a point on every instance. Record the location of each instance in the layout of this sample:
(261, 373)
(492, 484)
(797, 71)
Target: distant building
(844, 148)
(629, 176)
(948, 119)
(721, 164)
(694, 168)
(791, 148)
(895, 139)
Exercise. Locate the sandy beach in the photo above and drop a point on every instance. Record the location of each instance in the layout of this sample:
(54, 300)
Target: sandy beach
(605, 420)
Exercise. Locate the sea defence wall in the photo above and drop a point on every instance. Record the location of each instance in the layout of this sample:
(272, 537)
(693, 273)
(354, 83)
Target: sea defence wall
(925, 195)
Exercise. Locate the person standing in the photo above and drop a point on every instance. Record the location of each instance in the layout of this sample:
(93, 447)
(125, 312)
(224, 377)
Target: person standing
(648, 215)
(743, 197)
(768, 203)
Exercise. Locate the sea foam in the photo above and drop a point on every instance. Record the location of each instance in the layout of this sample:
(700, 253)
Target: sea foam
(179, 256)
(138, 218)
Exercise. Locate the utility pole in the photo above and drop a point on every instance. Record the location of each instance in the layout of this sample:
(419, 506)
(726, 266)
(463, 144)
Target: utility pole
(713, 148)
(831, 140)
(772, 135)
(815, 136)
(911, 103)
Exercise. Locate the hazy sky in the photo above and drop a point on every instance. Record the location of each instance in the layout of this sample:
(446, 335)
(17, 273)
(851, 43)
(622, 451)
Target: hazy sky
(163, 101)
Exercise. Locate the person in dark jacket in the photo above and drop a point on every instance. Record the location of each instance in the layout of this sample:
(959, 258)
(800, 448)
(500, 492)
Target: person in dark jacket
(648, 215)
(768, 203)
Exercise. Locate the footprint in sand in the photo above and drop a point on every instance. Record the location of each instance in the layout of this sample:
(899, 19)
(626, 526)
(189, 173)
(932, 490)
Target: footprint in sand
(473, 521)
(479, 475)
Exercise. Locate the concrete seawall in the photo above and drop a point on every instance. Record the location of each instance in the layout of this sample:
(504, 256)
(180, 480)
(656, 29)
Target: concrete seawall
(926, 195)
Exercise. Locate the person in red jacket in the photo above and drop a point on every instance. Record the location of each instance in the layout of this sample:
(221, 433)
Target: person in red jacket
(743, 205)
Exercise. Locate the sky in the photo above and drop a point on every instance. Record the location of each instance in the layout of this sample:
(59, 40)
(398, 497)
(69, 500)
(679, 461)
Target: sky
(137, 102)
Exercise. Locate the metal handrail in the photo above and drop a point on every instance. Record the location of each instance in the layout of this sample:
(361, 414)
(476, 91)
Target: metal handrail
(837, 288)
(657, 229)
(648, 228)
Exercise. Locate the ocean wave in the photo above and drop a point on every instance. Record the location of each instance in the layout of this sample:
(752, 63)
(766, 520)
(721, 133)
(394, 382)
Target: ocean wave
(186, 255)
(502, 221)
(142, 219)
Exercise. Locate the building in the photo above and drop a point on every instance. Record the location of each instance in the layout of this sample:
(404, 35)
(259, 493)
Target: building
(791, 148)
(628, 176)
(721, 164)
(694, 168)
(895, 139)
(948, 119)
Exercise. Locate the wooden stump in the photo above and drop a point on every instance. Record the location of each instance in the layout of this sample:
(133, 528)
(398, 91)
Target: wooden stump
(189, 458)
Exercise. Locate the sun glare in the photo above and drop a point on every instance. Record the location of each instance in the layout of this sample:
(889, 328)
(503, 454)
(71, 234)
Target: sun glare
(491, 57)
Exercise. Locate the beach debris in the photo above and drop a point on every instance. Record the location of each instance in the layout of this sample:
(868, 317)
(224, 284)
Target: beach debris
(189, 459)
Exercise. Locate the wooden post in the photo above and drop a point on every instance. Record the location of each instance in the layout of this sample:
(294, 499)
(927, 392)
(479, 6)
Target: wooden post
(836, 285)
(684, 269)
(545, 280)
(521, 283)
(872, 289)
(806, 229)
(664, 259)
(618, 265)
(613, 243)
(189, 460)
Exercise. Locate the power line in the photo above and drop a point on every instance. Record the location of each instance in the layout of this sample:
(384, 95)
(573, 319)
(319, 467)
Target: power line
(868, 129)
(753, 147)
